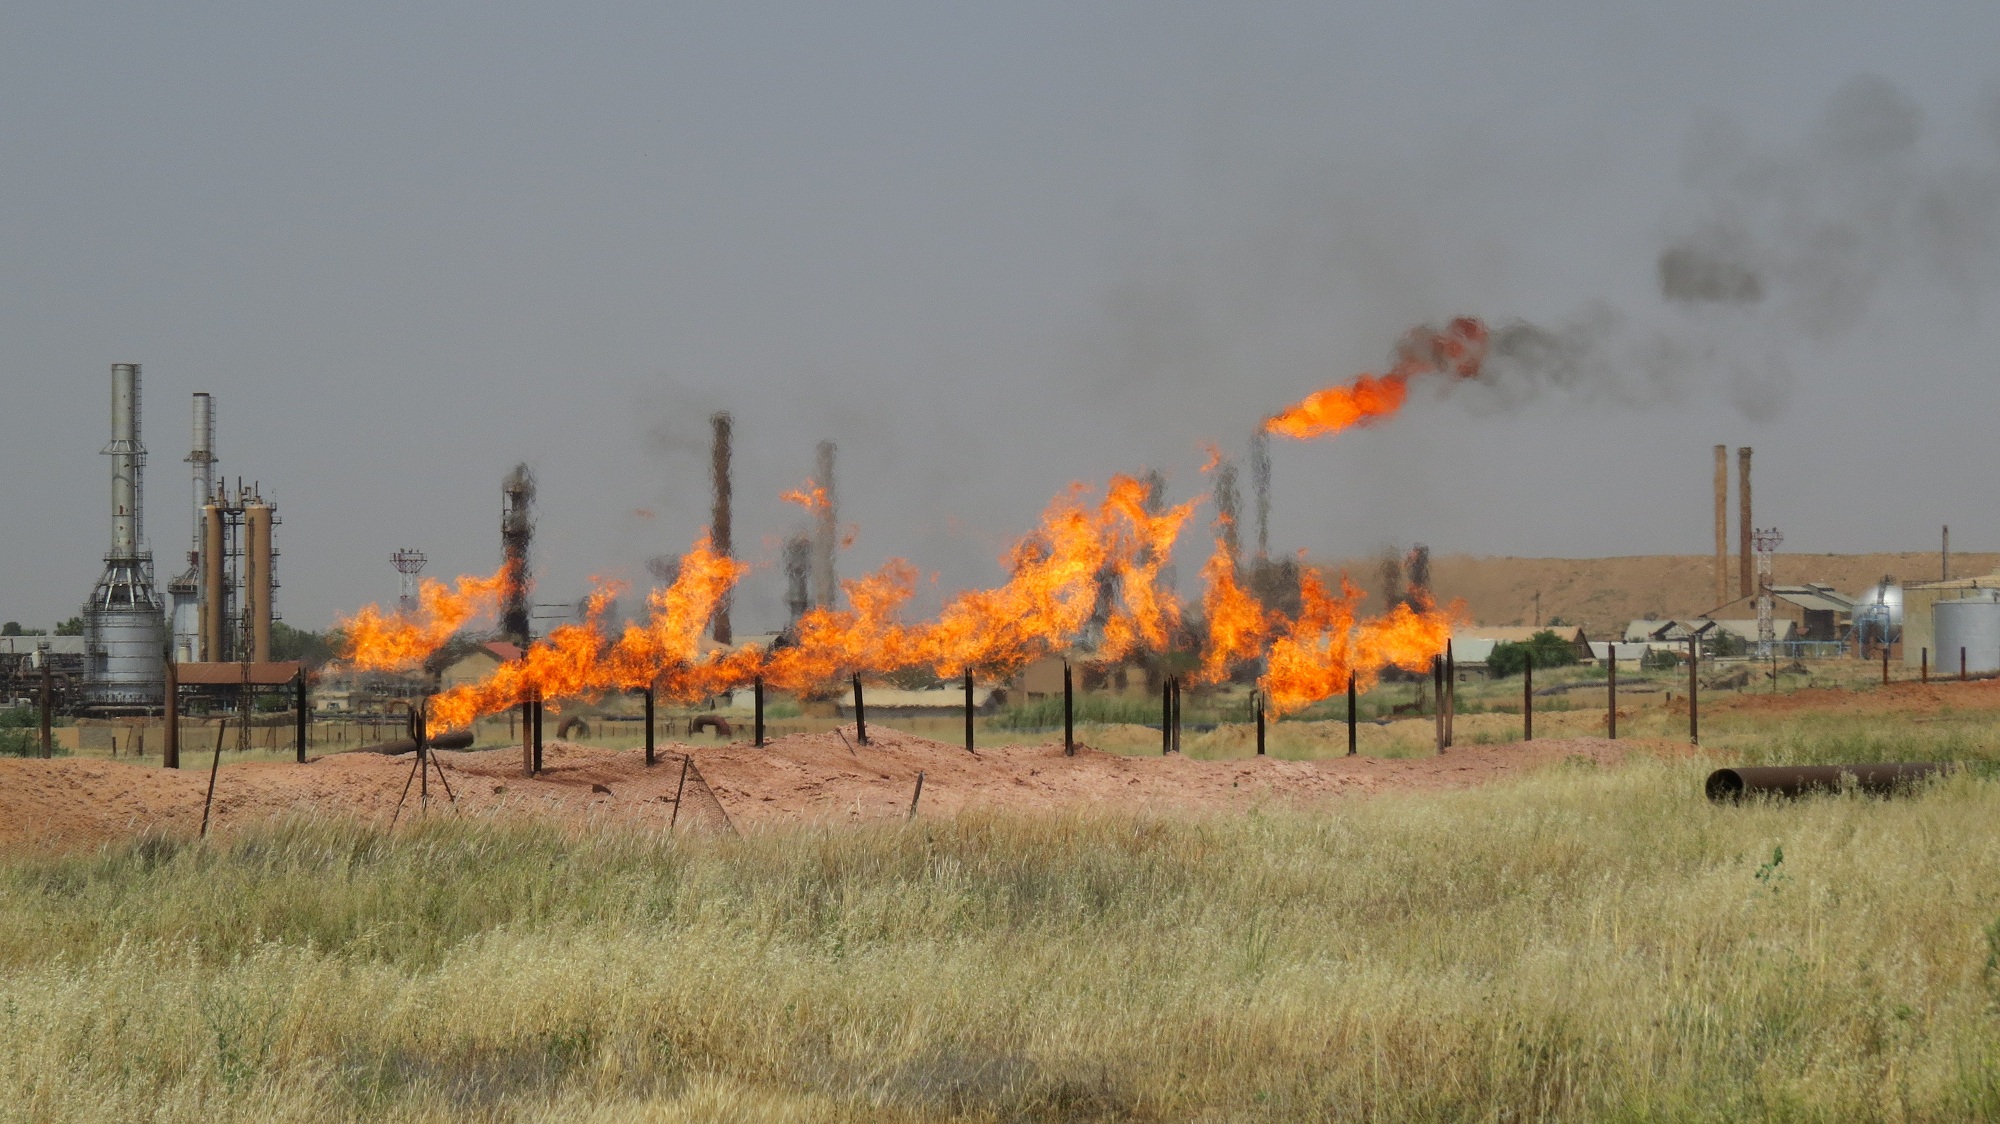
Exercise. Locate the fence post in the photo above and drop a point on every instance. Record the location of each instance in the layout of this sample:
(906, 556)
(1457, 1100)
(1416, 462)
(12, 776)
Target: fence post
(303, 711)
(860, 713)
(1611, 718)
(1069, 718)
(1352, 698)
(170, 754)
(1528, 698)
(1694, 690)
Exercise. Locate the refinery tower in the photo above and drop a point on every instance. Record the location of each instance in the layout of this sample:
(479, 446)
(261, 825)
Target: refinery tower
(124, 626)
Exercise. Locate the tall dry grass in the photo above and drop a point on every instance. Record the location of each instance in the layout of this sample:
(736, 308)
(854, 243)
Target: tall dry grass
(1583, 945)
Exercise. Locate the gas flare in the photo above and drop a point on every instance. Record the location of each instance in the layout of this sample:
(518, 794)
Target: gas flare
(827, 645)
(809, 495)
(398, 641)
(1459, 349)
(1237, 622)
(1045, 604)
(1140, 544)
(1317, 652)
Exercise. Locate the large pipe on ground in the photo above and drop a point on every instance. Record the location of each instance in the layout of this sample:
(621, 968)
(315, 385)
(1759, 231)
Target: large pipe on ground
(457, 739)
(1802, 780)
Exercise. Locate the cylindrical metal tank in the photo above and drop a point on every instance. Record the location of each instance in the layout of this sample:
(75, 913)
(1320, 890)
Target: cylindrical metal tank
(125, 641)
(214, 586)
(257, 577)
(1972, 624)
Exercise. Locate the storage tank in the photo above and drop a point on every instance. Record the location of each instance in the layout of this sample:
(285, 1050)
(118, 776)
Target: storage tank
(1971, 623)
(257, 581)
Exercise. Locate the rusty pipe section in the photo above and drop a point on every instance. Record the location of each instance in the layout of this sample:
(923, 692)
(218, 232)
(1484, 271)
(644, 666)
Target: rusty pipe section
(457, 739)
(1802, 780)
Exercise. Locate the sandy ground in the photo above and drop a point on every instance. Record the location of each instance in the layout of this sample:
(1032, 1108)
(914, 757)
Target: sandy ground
(805, 778)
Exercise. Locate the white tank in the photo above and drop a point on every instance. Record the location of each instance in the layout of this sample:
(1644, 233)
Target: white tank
(1972, 624)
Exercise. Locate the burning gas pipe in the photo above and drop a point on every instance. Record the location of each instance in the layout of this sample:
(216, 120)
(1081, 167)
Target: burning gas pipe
(1804, 780)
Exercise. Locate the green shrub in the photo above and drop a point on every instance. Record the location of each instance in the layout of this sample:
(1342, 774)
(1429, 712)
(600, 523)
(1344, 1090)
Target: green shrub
(1548, 650)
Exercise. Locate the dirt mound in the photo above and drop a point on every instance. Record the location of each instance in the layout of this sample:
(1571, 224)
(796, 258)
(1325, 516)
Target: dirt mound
(814, 778)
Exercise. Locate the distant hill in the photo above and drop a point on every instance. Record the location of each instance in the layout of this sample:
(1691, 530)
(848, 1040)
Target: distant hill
(1601, 594)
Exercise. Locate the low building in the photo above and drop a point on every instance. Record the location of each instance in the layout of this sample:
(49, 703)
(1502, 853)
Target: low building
(478, 665)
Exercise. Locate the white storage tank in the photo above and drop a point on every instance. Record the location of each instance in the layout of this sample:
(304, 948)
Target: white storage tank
(1971, 623)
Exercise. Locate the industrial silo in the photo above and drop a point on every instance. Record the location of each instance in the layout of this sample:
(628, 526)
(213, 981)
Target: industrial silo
(1971, 623)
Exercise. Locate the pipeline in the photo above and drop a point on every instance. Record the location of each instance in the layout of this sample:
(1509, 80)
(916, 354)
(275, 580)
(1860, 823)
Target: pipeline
(457, 739)
(1803, 780)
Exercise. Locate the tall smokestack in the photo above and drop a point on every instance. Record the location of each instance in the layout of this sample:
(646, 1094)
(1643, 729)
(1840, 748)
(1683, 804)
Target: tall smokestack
(1227, 502)
(1260, 482)
(1745, 565)
(719, 531)
(124, 626)
(798, 575)
(517, 533)
(186, 590)
(825, 523)
(1722, 525)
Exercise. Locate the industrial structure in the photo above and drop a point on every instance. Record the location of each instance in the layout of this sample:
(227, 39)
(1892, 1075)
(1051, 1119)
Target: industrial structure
(409, 563)
(825, 584)
(238, 560)
(186, 589)
(720, 531)
(125, 623)
(517, 534)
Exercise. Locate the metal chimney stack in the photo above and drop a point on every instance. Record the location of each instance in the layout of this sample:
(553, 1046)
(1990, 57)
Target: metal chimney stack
(186, 590)
(124, 626)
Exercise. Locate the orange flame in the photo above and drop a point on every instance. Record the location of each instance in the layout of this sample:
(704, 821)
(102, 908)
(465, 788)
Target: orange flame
(827, 645)
(1140, 545)
(809, 495)
(1325, 645)
(1049, 597)
(399, 641)
(1237, 622)
(575, 660)
(1057, 580)
(1459, 349)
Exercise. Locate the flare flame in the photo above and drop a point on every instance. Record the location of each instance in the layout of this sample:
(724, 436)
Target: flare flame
(1458, 349)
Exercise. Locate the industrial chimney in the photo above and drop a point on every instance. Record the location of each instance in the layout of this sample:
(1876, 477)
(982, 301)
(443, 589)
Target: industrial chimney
(825, 532)
(1746, 564)
(1721, 525)
(124, 625)
(186, 590)
(719, 531)
(517, 533)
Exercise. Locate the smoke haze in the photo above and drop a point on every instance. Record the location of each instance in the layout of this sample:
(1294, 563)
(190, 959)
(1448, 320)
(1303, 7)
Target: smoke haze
(989, 252)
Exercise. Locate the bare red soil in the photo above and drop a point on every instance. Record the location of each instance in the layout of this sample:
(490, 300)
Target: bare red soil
(806, 778)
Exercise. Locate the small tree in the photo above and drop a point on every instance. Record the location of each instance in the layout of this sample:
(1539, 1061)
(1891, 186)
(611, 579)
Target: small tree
(70, 627)
(1547, 648)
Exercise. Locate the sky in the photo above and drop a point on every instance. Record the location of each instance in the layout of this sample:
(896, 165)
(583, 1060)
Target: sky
(990, 250)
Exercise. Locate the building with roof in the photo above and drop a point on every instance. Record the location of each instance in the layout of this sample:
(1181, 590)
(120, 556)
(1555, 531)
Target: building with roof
(477, 665)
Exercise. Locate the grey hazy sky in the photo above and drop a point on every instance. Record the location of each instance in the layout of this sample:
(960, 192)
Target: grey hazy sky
(989, 249)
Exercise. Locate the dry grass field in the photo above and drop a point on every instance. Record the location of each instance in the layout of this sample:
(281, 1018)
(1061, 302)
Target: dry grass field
(1576, 941)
